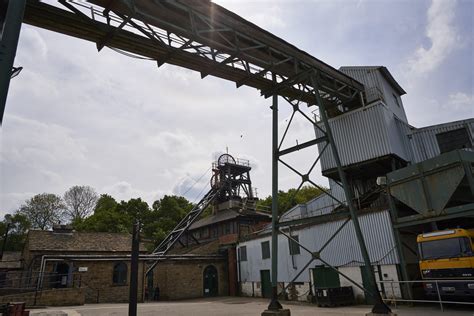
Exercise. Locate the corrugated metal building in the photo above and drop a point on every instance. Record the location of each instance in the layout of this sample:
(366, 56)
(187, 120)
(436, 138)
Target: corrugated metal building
(320, 205)
(343, 252)
(424, 143)
(372, 141)
(363, 135)
(379, 85)
(377, 138)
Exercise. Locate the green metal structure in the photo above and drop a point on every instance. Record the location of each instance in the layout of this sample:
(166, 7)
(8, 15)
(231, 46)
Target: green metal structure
(437, 189)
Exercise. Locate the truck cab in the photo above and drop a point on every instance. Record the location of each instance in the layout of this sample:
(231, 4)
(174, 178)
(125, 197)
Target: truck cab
(448, 255)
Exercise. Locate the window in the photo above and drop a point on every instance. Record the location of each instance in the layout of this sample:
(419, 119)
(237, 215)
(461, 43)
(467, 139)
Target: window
(265, 249)
(214, 231)
(205, 232)
(452, 140)
(396, 100)
(294, 246)
(243, 253)
(120, 273)
(227, 228)
(445, 248)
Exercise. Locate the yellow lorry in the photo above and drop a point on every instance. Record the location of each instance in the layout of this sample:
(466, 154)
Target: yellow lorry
(448, 255)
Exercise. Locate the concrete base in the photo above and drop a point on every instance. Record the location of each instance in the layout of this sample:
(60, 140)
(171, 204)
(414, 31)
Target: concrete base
(374, 314)
(280, 312)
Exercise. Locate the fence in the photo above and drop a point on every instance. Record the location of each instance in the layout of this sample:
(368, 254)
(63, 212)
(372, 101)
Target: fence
(29, 284)
(441, 294)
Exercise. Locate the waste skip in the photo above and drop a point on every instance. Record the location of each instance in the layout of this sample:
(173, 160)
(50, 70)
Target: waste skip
(335, 296)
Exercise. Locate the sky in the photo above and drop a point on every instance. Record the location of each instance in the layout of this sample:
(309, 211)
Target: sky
(76, 116)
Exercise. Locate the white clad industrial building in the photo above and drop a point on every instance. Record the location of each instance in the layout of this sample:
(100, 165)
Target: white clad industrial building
(342, 252)
(372, 141)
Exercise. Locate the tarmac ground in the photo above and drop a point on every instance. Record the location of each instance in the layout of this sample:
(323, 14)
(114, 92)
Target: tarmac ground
(230, 306)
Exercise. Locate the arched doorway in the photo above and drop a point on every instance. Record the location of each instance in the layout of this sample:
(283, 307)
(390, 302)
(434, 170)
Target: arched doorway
(62, 275)
(210, 281)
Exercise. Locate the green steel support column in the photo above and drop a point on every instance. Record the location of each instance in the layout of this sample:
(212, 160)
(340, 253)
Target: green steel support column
(274, 304)
(8, 44)
(398, 242)
(379, 307)
(469, 175)
(133, 293)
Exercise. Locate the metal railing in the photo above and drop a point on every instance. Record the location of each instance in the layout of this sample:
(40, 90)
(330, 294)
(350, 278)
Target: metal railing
(439, 298)
(373, 94)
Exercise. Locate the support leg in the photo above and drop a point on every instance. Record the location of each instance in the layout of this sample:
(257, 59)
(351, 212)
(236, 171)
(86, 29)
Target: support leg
(10, 32)
(274, 304)
(380, 307)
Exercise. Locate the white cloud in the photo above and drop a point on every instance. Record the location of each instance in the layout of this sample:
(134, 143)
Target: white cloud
(265, 14)
(35, 47)
(123, 190)
(461, 101)
(442, 34)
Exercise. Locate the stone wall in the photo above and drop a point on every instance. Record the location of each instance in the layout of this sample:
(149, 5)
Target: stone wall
(54, 297)
(298, 291)
(98, 283)
(184, 279)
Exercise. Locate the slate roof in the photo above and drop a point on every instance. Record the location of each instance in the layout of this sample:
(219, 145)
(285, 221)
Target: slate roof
(44, 240)
(226, 215)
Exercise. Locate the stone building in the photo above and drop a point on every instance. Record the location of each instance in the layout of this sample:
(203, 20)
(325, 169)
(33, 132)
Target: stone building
(98, 263)
(10, 270)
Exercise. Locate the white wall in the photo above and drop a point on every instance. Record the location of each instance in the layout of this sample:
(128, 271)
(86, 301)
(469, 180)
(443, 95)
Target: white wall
(355, 274)
(247, 289)
(342, 251)
(389, 273)
(302, 290)
(388, 92)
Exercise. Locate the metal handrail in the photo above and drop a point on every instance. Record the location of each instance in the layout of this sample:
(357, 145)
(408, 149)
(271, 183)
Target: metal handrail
(373, 94)
(440, 300)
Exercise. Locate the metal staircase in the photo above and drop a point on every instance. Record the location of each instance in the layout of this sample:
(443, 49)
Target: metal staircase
(185, 223)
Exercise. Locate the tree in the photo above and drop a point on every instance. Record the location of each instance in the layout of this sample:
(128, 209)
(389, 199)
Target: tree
(156, 222)
(105, 203)
(287, 200)
(105, 218)
(110, 216)
(18, 228)
(135, 210)
(164, 216)
(80, 202)
(43, 210)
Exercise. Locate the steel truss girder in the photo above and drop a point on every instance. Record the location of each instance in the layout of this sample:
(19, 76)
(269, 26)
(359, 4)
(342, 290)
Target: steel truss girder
(188, 37)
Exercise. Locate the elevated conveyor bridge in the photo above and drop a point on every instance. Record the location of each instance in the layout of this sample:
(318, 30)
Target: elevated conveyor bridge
(202, 36)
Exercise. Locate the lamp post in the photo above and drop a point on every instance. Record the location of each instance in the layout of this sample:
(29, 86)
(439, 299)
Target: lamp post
(5, 240)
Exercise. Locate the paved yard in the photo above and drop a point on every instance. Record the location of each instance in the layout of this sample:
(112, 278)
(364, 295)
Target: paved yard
(230, 306)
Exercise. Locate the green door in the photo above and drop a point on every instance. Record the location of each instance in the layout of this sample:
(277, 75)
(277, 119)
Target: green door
(266, 283)
(325, 277)
(211, 287)
(365, 283)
